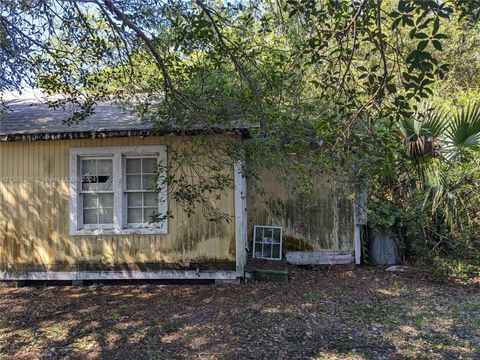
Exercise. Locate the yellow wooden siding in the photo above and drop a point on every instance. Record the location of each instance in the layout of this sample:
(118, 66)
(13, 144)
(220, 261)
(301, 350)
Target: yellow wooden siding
(320, 220)
(34, 215)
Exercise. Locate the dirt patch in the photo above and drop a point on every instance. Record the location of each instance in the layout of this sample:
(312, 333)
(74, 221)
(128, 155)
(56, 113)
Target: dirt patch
(362, 314)
(279, 265)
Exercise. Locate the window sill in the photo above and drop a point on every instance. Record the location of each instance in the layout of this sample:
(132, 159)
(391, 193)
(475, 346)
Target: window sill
(137, 231)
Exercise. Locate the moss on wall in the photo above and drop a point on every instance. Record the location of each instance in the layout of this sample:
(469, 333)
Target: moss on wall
(321, 219)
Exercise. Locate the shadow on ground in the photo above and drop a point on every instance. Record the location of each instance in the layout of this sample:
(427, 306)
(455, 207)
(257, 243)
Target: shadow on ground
(363, 314)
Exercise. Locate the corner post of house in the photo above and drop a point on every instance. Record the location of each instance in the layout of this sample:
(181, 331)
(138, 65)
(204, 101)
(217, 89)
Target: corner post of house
(73, 189)
(360, 219)
(240, 217)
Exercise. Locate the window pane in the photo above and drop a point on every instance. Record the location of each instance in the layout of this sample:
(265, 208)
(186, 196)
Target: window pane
(276, 251)
(90, 216)
(149, 165)
(258, 234)
(89, 183)
(276, 235)
(267, 250)
(150, 199)
(148, 181)
(105, 200)
(258, 250)
(134, 182)
(147, 213)
(89, 201)
(105, 183)
(133, 166)
(105, 167)
(106, 216)
(268, 235)
(89, 167)
(134, 199)
(134, 216)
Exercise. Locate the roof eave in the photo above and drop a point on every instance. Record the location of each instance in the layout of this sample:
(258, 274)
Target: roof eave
(78, 135)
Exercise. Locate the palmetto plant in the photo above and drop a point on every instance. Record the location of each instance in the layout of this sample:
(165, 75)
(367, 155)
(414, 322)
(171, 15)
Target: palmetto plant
(422, 136)
(434, 140)
(462, 131)
(432, 132)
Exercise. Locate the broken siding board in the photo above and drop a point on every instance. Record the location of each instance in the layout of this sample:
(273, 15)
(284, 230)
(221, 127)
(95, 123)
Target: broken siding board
(319, 257)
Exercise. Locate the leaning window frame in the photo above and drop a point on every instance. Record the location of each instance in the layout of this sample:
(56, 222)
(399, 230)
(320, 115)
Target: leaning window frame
(262, 243)
(118, 153)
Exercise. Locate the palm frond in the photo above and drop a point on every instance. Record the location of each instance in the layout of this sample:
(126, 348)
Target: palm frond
(423, 132)
(444, 203)
(463, 130)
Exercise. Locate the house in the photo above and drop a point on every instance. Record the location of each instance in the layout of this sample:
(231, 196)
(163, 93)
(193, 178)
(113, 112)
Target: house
(74, 204)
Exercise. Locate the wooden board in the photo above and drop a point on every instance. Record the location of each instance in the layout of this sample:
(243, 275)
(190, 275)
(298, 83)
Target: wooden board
(117, 275)
(319, 257)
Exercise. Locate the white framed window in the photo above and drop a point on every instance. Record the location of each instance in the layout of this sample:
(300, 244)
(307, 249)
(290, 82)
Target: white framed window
(112, 190)
(141, 200)
(267, 242)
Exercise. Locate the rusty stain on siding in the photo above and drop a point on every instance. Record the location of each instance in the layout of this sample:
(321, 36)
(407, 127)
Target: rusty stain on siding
(318, 220)
(232, 247)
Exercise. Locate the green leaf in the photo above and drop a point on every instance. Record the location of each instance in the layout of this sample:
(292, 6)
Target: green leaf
(421, 36)
(437, 45)
(436, 26)
(409, 21)
(422, 45)
(391, 88)
(395, 23)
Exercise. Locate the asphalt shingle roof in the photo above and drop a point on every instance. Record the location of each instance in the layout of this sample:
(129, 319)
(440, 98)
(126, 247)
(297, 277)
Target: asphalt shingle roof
(27, 120)
(33, 120)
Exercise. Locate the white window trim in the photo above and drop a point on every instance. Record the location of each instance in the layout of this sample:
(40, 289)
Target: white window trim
(120, 226)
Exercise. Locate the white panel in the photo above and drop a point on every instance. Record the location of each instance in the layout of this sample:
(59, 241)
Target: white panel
(240, 217)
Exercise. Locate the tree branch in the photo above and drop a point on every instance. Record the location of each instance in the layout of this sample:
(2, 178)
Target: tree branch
(147, 41)
(238, 65)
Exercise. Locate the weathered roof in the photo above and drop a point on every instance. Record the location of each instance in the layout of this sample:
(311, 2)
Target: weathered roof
(33, 120)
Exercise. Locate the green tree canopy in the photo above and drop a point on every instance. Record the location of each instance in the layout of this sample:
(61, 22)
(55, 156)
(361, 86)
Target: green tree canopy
(328, 81)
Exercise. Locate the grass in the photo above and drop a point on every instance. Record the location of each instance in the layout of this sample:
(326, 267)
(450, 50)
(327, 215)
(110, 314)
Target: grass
(364, 314)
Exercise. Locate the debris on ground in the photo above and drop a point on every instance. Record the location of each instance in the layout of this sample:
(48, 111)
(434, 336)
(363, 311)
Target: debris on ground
(329, 314)
(398, 268)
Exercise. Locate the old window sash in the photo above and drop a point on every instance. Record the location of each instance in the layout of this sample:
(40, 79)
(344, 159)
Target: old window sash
(119, 155)
(140, 200)
(96, 192)
(267, 242)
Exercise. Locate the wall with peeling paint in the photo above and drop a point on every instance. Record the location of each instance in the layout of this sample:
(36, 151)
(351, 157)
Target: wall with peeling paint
(322, 219)
(34, 218)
